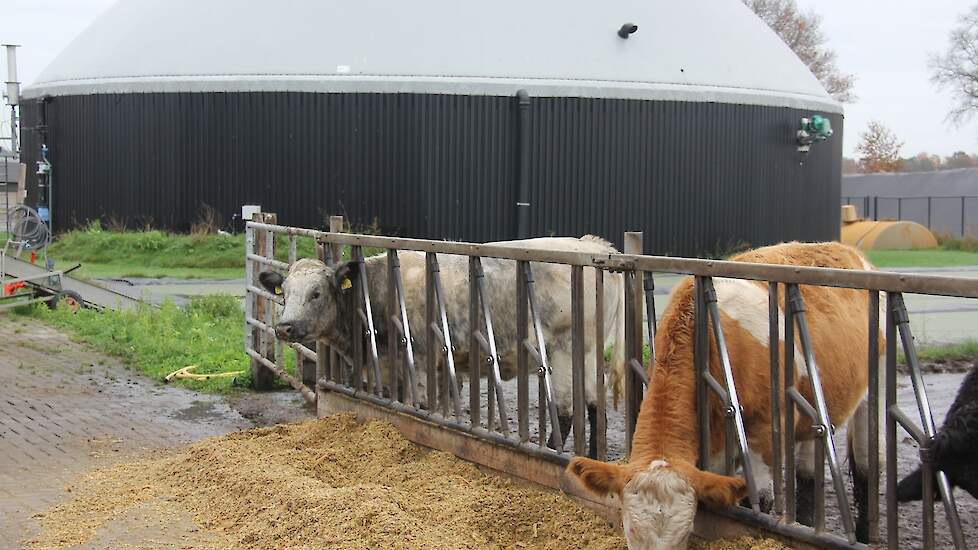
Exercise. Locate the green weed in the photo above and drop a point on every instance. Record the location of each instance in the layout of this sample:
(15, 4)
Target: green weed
(208, 333)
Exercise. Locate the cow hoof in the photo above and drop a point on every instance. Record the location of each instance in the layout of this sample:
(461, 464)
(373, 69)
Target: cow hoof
(765, 499)
(805, 500)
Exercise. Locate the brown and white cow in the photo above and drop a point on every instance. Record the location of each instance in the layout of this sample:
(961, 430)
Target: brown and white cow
(318, 306)
(659, 487)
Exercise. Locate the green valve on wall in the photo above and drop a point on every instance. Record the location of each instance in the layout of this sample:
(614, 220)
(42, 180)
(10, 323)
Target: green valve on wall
(813, 129)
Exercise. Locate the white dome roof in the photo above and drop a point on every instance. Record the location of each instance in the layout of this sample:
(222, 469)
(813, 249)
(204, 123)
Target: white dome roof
(689, 50)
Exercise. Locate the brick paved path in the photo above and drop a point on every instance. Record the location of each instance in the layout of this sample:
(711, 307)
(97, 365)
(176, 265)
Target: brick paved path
(65, 409)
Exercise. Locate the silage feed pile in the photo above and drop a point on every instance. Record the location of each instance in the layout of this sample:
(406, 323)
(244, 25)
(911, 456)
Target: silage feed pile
(329, 483)
(743, 543)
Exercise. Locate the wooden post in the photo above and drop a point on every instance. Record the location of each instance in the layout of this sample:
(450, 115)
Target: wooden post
(312, 372)
(633, 338)
(262, 378)
(333, 364)
(335, 226)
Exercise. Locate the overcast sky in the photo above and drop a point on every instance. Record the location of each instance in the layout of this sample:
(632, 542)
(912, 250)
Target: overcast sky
(885, 44)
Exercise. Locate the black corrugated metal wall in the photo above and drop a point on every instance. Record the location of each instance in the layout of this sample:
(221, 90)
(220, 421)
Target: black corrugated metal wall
(695, 177)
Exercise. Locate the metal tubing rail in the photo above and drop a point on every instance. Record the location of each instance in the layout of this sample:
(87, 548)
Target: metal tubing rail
(443, 333)
(601, 425)
(265, 294)
(488, 342)
(442, 247)
(651, 322)
(531, 348)
(924, 434)
(816, 276)
(284, 266)
(823, 428)
(297, 384)
(302, 350)
(544, 372)
(701, 364)
(402, 326)
(734, 411)
(370, 332)
(577, 358)
(777, 474)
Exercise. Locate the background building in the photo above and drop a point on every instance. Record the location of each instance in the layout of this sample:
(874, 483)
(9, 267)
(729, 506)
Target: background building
(431, 118)
(944, 201)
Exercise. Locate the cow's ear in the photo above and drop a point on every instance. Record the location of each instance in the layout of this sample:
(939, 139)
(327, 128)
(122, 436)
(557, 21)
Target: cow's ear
(600, 478)
(271, 281)
(345, 274)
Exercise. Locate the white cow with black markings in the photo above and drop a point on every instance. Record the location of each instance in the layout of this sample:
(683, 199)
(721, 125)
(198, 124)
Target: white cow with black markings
(319, 305)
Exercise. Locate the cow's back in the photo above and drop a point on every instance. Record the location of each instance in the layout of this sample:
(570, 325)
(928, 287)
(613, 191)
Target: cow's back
(552, 282)
(836, 320)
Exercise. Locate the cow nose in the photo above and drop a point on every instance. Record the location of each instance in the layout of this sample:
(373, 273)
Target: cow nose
(292, 331)
(285, 330)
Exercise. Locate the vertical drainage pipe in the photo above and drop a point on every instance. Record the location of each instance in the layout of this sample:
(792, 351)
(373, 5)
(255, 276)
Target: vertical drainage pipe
(523, 178)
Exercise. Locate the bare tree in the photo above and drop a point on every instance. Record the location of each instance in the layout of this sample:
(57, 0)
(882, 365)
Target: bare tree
(960, 159)
(922, 162)
(802, 32)
(957, 68)
(879, 149)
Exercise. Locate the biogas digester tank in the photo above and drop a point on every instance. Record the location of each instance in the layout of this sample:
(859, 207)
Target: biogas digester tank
(441, 119)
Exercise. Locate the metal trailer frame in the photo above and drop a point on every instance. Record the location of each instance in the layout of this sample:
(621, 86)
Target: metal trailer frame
(43, 287)
(491, 443)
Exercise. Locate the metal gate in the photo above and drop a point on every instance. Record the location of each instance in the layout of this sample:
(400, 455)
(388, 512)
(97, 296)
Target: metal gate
(359, 378)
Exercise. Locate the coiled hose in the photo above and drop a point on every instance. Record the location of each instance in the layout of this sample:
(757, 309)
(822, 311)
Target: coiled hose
(27, 229)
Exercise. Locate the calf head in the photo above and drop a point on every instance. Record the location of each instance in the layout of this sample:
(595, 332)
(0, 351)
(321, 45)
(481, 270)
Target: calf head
(318, 299)
(658, 500)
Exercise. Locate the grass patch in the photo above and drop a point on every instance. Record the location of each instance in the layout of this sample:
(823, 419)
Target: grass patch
(960, 351)
(207, 333)
(155, 254)
(126, 270)
(922, 258)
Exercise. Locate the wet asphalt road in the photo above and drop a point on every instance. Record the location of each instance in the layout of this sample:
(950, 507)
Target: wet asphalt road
(934, 319)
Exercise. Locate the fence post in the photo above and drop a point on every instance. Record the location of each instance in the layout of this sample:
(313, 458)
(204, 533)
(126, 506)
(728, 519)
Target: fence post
(899, 208)
(633, 337)
(307, 371)
(522, 357)
(777, 442)
(928, 211)
(892, 520)
(876, 208)
(873, 398)
(962, 217)
(333, 363)
(262, 378)
(323, 353)
(577, 362)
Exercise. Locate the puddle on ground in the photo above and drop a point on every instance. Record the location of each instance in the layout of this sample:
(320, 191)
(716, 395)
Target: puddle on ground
(199, 410)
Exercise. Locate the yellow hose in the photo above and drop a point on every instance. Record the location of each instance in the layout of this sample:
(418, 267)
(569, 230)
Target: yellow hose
(186, 374)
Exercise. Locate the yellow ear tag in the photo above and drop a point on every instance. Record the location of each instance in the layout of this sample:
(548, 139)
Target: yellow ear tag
(347, 284)
(278, 290)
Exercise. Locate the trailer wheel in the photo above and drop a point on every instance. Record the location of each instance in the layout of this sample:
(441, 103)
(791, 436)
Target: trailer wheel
(67, 299)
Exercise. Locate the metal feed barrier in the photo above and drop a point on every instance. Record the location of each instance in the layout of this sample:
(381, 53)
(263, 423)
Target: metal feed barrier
(485, 435)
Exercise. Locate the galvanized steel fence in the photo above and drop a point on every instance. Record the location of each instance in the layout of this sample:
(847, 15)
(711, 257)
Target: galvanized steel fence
(941, 214)
(361, 377)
